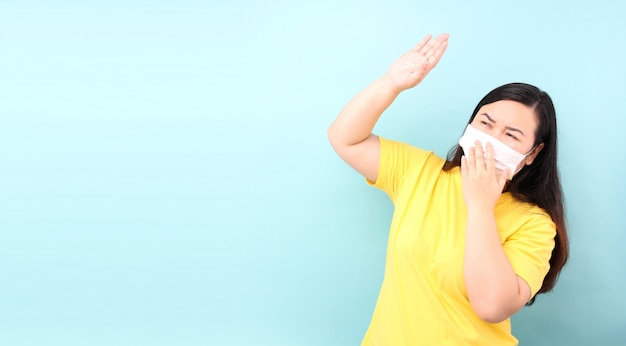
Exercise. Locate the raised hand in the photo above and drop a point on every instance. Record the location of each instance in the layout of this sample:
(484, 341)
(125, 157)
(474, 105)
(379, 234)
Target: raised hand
(411, 68)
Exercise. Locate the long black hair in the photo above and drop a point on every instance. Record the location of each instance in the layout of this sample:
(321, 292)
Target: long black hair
(539, 182)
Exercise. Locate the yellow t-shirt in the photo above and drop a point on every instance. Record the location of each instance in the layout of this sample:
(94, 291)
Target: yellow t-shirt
(423, 300)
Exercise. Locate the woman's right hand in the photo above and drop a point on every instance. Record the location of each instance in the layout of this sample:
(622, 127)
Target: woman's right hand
(411, 68)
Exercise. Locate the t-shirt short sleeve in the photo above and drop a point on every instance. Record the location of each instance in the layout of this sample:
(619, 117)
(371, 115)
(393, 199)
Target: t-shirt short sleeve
(530, 248)
(397, 159)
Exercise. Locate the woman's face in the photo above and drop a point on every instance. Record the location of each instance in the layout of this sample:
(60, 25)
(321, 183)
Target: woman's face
(512, 123)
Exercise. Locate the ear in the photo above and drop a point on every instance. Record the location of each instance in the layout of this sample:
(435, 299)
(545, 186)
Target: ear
(533, 153)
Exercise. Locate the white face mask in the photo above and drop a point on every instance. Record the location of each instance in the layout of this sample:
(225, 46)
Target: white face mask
(504, 156)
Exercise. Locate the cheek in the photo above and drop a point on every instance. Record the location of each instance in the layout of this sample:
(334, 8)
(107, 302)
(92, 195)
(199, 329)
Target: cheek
(523, 147)
(515, 145)
(478, 125)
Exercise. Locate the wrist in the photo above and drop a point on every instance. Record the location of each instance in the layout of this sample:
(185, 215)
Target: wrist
(479, 209)
(387, 82)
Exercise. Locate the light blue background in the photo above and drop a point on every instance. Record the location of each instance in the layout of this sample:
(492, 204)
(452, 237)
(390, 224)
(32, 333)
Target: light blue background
(165, 176)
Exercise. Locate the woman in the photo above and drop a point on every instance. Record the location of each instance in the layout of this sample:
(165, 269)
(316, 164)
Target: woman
(473, 238)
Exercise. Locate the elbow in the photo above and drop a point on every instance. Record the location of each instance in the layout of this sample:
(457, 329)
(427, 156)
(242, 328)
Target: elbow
(497, 304)
(330, 134)
(491, 315)
(333, 132)
(333, 138)
(491, 311)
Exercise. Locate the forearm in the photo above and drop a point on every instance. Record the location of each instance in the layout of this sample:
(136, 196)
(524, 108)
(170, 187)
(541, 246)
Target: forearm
(491, 283)
(356, 121)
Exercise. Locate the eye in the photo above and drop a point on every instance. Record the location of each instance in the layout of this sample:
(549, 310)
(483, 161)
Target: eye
(512, 136)
(485, 123)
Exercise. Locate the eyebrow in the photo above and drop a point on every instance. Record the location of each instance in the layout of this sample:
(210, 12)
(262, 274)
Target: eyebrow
(507, 127)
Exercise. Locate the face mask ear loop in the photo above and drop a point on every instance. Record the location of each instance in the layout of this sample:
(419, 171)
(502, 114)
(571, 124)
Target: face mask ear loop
(530, 151)
(525, 156)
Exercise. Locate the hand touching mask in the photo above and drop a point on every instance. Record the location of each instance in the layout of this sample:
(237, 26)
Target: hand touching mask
(505, 156)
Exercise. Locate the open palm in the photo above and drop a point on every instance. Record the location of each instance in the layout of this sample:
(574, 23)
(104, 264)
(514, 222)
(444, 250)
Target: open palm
(411, 68)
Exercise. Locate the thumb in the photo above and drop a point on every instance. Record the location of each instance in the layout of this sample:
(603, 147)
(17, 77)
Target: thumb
(503, 178)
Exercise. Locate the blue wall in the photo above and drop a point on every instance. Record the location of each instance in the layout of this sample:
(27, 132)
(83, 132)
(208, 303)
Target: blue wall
(166, 180)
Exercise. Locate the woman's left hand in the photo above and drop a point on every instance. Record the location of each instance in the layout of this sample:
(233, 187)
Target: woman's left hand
(482, 187)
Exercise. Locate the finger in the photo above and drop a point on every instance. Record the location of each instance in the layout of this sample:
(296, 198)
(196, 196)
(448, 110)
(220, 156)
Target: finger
(433, 46)
(503, 178)
(439, 50)
(490, 161)
(471, 159)
(422, 43)
(480, 155)
(442, 37)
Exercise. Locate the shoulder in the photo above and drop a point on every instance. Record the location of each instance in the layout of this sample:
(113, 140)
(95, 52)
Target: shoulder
(510, 204)
(527, 233)
(517, 217)
(402, 165)
(395, 150)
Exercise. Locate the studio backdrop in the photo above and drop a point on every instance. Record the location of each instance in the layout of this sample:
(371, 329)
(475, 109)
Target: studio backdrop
(166, 177)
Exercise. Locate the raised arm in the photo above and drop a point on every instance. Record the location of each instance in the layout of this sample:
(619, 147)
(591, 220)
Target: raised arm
(351, 132)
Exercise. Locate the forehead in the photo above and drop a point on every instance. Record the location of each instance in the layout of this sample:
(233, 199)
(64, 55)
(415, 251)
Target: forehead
(511, 113)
